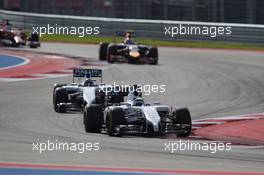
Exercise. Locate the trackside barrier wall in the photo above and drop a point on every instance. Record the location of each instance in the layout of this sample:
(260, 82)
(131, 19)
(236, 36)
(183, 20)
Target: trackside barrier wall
(242, 33)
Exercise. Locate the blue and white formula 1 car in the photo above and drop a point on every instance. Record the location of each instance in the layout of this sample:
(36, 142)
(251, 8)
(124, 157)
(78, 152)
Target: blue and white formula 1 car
(134, 116)
(77, 96)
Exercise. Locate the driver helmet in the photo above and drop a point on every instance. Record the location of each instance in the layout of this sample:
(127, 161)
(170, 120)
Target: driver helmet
(128, 38)
(138, 102)
(88, 82)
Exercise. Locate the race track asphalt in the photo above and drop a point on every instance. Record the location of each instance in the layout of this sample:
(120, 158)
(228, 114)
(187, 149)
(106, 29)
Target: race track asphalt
(212, 83)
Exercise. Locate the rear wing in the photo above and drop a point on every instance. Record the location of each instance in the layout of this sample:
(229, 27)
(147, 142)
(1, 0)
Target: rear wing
(89, 73)
(123, 33)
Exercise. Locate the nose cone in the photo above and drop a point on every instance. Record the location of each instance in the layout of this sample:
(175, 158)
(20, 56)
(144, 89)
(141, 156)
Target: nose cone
(134, 54)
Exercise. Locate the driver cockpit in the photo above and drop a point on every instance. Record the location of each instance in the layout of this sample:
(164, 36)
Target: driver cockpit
(134, 99)
(128, 39)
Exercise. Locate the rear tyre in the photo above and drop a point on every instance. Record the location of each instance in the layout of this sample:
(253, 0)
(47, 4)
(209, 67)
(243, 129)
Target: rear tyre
(32, 46)
(93, 118)
(114, 119)
(183, 118)
(153, 53)
(14, 43)
(59, 96)
(58, 85)
(103, 51)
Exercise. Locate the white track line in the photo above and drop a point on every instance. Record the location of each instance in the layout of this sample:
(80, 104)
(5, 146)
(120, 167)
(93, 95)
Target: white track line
(237, 117)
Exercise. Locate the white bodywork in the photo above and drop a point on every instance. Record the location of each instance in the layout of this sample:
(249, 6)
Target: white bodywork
(89, 94)
(150, 113)
(152, 116)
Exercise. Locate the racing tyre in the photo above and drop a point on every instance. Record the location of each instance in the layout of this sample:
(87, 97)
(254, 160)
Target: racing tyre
(183, 117)
(112, 50)
(114, 119)
(32, 46)
(93, 118)
(59, 96)
(103, 51)
(153, 53)
(58, 85)
(14, 43)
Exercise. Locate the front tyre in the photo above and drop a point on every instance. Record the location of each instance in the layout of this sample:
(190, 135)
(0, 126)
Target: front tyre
(111, 53)
(59, 96)
(103, 51)
(183, 119)
(153, 54)
(114, 119)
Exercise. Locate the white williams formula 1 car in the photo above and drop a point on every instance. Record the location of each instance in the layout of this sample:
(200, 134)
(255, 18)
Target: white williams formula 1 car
(135, 117)
(71, 97)
(75, 96)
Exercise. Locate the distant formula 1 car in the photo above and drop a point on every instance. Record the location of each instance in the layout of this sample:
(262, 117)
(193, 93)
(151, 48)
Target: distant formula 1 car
(12, 37)
(33, 41)
(129, 52)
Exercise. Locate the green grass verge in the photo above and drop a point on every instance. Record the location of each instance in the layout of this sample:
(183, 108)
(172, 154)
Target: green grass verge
(193, 44)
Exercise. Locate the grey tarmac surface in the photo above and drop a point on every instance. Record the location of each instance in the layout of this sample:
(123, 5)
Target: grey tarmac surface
(212, 83)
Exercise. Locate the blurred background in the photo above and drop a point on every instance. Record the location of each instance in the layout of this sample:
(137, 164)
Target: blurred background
(229, 11)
